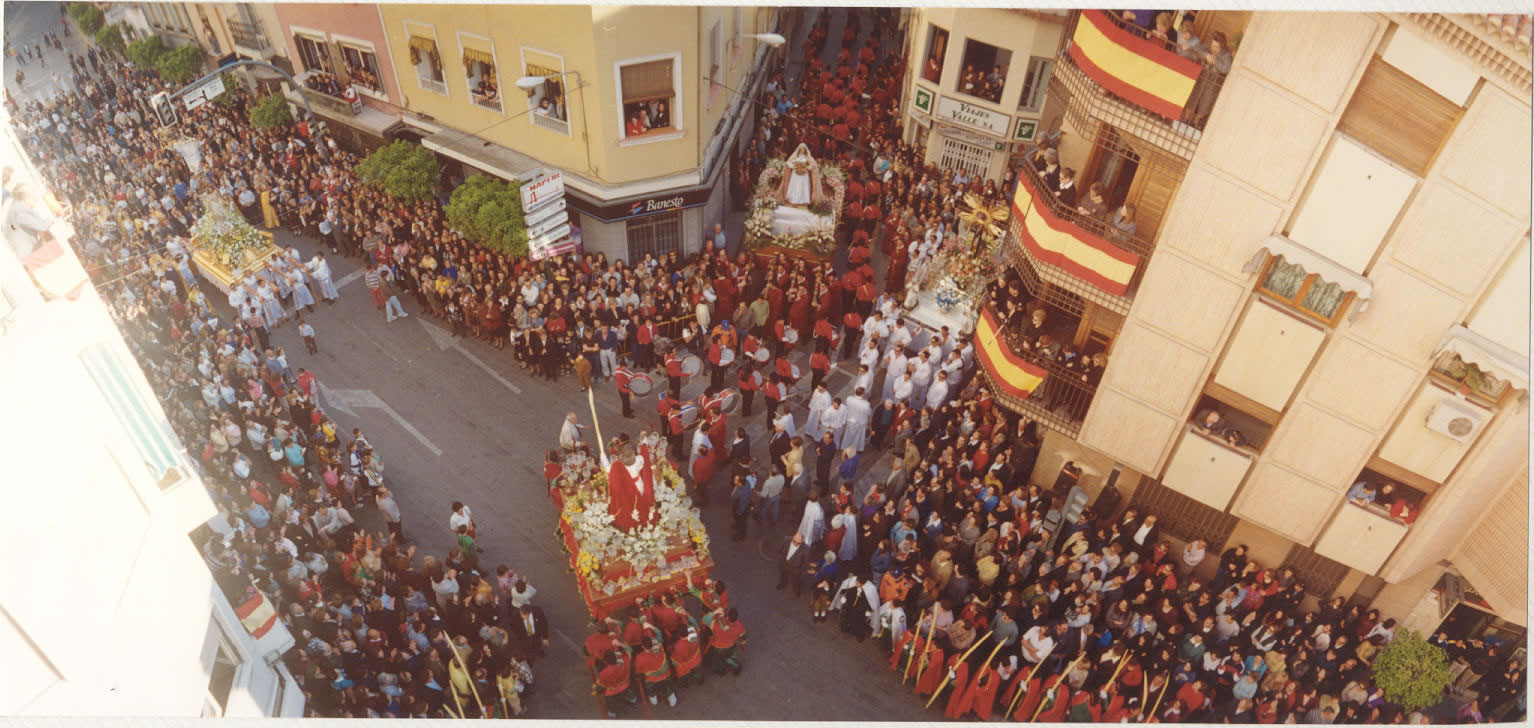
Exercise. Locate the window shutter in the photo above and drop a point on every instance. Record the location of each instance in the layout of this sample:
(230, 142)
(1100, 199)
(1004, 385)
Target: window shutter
(645, 81)
(1397, 116)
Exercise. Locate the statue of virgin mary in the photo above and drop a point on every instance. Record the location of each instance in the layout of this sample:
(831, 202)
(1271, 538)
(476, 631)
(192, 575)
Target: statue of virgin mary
(801, 180)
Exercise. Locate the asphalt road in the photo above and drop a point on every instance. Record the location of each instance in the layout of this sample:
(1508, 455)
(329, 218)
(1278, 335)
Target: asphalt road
(463, 422)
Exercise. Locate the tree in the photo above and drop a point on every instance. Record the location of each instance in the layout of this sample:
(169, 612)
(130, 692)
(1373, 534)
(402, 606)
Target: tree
(270, 112)
(88, 17)
(489, 211)
(181, 64)
(403, 170)
(1412, 672)
(110, 38)
(146, 52)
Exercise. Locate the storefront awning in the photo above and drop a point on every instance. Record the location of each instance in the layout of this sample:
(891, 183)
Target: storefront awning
(1313, 262)
(477, 152)
(1489, 356)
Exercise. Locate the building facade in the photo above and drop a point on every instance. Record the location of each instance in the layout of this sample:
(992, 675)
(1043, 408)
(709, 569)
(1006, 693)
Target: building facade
(640, 108)
(1331, 250)
(95, 472)
(343, 43)
(975, 85)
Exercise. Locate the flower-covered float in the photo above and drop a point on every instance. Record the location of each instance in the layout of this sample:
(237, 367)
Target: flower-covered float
(225, 247)
(796, 206)
(630, 528)
(947, 278)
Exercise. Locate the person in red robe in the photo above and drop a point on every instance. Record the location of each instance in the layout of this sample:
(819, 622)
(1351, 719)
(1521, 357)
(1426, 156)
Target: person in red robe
(959, 683)
(1030, 703)
(631, 488)
(931, 671)
(1056, 704)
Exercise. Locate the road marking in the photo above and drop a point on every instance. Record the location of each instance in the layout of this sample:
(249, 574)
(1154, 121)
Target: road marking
(445, 340)
(344, 400)
(564, 638)
(349, 277)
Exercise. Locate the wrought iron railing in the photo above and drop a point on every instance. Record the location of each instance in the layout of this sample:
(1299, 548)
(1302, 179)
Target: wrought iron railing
(1060, 401)
(323, 90)
(247, 35)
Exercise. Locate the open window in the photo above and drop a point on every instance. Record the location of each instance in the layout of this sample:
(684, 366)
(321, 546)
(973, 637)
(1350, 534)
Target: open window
(1233, 420)
(480, 72)
(648, 93)
(362, 67)
(1035, 83)
(314, 52)
(428, 64)
(937, 47)
(984, 72)
(546, 101)
(1390, 491)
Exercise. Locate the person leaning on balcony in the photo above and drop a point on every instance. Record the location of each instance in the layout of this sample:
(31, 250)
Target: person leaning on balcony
(1048, 166)
(1066, 191)
(1123, 222)
(1095, 205)
(1188, 45)
(1216, 61)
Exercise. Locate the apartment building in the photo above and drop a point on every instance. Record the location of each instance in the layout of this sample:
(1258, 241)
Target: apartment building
(1331, 250)
(344, 43)
(975, 85)
(226, 32)
(640, 108)
(107, 607)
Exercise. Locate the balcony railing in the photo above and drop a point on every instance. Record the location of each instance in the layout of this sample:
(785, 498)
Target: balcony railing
(1115, 74)
(1028, 383)
(1095, 259)
(247, 35)
(323, 90)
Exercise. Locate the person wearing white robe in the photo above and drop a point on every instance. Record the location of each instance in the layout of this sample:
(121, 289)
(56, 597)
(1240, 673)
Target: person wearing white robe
(921, 378)
(865, 380)
(900, 335)
(870, 355)
(849, 547)
(894, 369)
(699, 440)
(820, 401)
(937, 394)
(855, 432)
(271, 309)
(812, 526)
(833, 419)
(321, 272)
(787, 420)
(302, 297)
(905, 388)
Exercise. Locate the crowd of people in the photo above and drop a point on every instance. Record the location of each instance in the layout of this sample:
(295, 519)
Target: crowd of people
(947, 554)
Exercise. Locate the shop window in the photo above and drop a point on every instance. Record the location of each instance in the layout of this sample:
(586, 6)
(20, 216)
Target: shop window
(1299, 289)
(648, 93)
(984, 72)
(546, 101)
(1387, 495)
(654, 235)
(479, 73)
(362, 67)
(973, 160)
(315, 53)
(1035, 82)
(1224, 419)
(428, 64)
(937, 48)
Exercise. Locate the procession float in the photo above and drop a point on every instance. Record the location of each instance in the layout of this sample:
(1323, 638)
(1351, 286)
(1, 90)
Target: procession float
(226, 247)
(945, 286)
(628, 526)
(796, 206)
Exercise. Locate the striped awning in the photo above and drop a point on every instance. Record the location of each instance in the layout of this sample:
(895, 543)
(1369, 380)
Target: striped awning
(1137, 69)
(423, 45)
(1013, 375)
(474, 54)
(1063, 244)
(140, 416)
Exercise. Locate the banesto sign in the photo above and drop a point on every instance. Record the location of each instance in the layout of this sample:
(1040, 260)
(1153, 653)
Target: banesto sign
(644, 207)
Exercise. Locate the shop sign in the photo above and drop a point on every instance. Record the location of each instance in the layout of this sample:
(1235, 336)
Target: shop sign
(922, 100)
(1025, 130)
(972, 116)
(668, 202)
(969, 137)
(543, 190)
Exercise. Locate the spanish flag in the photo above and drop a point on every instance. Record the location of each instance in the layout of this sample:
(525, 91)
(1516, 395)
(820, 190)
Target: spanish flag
(1137, 69)
(56, 272)
(1012, 374)
(257, 614)
(1063, 244)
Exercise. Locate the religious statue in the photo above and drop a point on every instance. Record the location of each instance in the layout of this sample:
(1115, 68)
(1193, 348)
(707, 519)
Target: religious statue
(801, 185)
(631, 488)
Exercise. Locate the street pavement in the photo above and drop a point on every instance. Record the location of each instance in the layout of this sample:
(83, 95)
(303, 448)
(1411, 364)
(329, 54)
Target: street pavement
(458, 420)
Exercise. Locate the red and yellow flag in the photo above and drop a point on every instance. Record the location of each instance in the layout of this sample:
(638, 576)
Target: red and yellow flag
(56, 272)
(257, 615)
(1062, 243)
(1133, 68)
(1012, 374)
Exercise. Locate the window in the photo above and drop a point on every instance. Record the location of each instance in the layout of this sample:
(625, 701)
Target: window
(984, 72)
(648, 93)
(428, 64)
(973, 160)
(937, 47)
(221, 675)
(361, 67)
(479, 72)
(1035, 83)
(1399, 117)
(546, 101)
(655, 235)
(1481, 386)
(314, 52)
(1381, 489)
(141, 418)
(1302, 290)
(1222, 415)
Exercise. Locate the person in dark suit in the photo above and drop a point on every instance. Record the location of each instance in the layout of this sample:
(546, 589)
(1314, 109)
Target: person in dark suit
(530, 629)
(792, 563)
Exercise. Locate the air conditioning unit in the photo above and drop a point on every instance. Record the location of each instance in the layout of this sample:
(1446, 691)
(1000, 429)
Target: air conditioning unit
(1457, 419)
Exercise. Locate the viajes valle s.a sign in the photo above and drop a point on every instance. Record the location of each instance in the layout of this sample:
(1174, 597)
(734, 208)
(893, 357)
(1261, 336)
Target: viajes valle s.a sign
(972, 116)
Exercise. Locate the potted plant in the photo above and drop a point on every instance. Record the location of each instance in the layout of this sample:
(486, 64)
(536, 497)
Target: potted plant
(1412, 672)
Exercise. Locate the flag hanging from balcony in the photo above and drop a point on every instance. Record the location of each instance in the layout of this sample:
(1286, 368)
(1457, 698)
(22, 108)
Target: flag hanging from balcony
(1139, 70)
(1012, 374)
(256, 614)
(1059, 242)
(56, 272)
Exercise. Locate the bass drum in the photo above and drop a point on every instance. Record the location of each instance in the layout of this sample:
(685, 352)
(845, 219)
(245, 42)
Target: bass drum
(691, 365)
(641, 385)
(762, 355)
(727, 401)
(689, 415)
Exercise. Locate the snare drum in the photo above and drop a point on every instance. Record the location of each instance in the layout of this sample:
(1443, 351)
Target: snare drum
(726, 357)
(726, 401)
(641, 385)
(791, 336)
(794, 371)
(762, 355)
(691, 365)
(689, 414)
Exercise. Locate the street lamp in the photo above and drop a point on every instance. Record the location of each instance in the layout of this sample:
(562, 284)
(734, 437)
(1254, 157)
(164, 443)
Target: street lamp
(771, 39)
(528, 83)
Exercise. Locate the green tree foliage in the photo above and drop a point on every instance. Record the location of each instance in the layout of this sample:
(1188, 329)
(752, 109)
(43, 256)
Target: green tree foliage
(489, 210)
(146, 52)
(231, 85)
(401, 169)
(1412, 672)
(181, 64)
(110, 38)
(270, 112)
(88, 17)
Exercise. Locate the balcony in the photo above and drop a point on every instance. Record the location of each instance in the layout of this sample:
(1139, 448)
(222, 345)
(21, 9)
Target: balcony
(323, 92)
(1111, 73)
(249, 40)
(1054, 394)
(1090, 258)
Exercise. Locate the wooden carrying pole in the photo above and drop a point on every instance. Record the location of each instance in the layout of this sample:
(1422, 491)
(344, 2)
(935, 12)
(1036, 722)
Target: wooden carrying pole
(468, 676)
(946, 678)
(1023, 686)
(925, 647)
(1164, 686)
(1056, 688)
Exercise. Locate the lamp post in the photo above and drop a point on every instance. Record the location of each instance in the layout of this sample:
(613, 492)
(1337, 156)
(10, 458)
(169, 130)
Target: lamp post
(528, 83)
(771, 39)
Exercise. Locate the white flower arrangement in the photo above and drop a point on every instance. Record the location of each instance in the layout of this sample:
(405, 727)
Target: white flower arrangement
(645, 549)
(224, 234)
